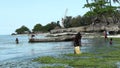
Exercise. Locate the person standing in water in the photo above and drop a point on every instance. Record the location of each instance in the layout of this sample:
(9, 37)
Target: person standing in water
(105, 35)
(77, 43)
(17, 41)
(110, 41)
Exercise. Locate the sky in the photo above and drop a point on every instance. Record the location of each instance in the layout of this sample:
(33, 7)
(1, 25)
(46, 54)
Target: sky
(15, 13)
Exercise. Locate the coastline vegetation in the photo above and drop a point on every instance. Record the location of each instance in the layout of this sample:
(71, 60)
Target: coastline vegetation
(22, 30)
(101, 11)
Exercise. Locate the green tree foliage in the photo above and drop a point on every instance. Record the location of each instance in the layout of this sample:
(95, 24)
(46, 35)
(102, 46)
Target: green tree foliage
(58, 24)
(101, 6)
(22, 30)
(50, 26)
(70, 21)
(37, 28)
(101, 9)
(67, 21)
(46, 28)
(76, 21)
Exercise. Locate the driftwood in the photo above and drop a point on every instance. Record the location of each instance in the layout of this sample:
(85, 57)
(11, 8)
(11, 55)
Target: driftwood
(57, 39)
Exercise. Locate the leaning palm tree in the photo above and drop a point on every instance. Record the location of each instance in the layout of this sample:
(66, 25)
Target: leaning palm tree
(110, 2)
(115, 15)
(116, 1)
(87, 1)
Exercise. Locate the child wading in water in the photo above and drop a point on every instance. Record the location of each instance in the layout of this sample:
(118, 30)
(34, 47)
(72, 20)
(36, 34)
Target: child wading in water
(110, 41)
(105, 35)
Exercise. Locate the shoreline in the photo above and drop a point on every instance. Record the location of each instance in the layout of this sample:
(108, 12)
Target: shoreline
(85, 35)
(114, 36)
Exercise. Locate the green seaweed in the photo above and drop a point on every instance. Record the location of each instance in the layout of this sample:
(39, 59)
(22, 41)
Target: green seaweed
(52, 67)
(104, 58)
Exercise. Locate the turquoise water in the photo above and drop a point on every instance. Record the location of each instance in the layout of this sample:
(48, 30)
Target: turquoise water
(9, 49)
(14, 55)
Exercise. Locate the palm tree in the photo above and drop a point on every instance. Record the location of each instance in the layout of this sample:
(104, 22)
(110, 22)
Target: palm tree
(115, 15)
(116, 1)
(87, 1)
(110, 2)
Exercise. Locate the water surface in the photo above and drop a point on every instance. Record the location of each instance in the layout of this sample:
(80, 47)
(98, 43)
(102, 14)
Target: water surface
(12, 53)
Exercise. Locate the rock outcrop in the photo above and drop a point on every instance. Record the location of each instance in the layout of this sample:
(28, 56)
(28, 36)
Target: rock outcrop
(89, 28)
(53, 39)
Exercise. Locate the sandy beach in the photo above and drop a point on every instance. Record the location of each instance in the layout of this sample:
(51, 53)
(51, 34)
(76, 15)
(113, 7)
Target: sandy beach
(114, 36)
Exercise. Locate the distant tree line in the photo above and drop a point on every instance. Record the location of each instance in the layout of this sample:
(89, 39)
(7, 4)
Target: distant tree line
(69, 21)
(22, 30)
(100, 11)
(38, 28)
(46, 28)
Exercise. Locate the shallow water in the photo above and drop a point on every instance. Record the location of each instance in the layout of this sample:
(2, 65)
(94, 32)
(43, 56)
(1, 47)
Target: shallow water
(19, 55)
